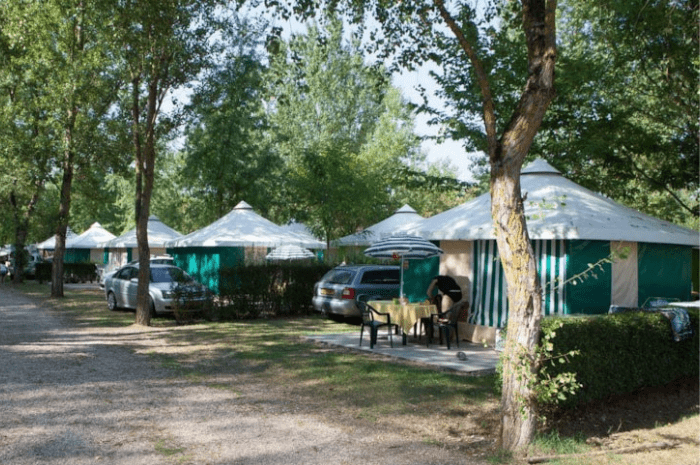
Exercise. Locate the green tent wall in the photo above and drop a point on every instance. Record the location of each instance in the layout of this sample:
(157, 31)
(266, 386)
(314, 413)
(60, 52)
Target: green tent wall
(417, 277)
(204, 263)
(663, 271)
(77, 256)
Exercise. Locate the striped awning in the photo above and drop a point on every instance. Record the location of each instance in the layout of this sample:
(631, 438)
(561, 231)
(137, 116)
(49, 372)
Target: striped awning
(403, 246)
(290, 252)
(490, 291)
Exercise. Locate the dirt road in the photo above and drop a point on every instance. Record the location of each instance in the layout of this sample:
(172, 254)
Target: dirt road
(84, 396)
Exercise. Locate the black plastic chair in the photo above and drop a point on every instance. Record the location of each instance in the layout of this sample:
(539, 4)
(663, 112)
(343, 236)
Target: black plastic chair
(370, 321)
(447, 323)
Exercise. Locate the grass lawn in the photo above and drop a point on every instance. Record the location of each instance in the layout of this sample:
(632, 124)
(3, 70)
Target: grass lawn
(352, 388)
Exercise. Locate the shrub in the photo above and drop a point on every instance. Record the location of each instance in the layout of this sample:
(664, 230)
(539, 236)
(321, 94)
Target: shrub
(42, 271)
(621, 353)
(617, 354)
(72, 272)
(267, 290)
(79, 272)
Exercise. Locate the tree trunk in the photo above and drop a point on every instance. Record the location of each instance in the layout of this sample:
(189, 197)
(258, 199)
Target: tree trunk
(21, 221)
(68, 162)
(63, 210)
(518, 408)
(146, 157)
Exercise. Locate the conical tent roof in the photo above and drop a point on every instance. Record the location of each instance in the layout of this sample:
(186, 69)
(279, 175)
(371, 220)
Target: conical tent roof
(242, 227)
(158, 235)
(556, 208)
(50, 243)
(300, 229)
(403, 218)
(92, 238)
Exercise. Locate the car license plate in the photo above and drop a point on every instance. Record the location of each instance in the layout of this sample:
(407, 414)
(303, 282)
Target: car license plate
(325, 291)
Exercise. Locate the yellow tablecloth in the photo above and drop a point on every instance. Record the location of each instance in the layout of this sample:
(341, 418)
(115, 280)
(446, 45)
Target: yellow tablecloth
(404, 315)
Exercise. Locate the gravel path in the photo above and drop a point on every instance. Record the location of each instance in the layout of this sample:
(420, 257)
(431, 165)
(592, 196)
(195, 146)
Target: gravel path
(77, 396)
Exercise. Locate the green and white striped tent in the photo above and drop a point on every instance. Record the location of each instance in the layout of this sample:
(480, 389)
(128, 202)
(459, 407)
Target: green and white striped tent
(87, 247)
(241, 236)
(571, 228)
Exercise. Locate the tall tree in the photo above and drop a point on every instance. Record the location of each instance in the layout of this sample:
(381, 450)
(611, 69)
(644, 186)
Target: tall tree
(164, 45)
(84, 94)
(327, 116)
(415, 31)
(66, 51)
(625, 121)
(26, 124)
(227, 128)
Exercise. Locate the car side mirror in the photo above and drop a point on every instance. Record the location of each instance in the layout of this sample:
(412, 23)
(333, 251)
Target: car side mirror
(134, 280)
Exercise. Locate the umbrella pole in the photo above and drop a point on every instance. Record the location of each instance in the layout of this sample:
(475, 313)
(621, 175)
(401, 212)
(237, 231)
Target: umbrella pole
(401, 290)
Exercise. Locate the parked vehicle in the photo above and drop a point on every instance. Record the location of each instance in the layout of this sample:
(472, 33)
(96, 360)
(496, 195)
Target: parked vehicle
(30, 267)
(157, 260)
(336, 294)
(169, 286)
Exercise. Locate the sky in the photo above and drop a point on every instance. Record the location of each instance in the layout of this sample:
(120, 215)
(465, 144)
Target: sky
(407, 82)
(452, 151)
(449, 150)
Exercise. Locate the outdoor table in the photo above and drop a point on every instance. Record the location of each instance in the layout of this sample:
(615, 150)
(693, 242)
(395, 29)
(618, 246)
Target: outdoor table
(404, 315)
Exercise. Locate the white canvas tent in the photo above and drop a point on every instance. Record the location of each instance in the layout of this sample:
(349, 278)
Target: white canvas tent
(402, 219)
(88, 245)
(124, 248)
(242, 227)
(570, 227)
(300, 230)
(49, 245)
(557, 208)
(239, 237)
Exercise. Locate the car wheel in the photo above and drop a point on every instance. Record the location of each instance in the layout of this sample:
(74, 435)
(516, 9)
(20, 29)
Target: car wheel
(151, 307)
(112, 301)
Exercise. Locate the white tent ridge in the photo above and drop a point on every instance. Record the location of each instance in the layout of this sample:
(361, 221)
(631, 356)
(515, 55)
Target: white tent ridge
(242, 227)
(556, 208)
(50, 243)
(158, 235)
(300, 230)
(402, 219)
(91, 238)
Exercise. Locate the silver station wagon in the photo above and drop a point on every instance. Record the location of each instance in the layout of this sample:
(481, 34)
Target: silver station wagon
(336, 294)
(169, 286)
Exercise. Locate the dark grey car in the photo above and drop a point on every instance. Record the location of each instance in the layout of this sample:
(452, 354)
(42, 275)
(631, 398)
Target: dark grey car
(336, 294)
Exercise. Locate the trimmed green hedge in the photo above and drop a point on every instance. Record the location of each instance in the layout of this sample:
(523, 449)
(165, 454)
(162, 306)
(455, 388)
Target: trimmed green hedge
(623, 352)
(267, 290)
(43, 271)
(72, 272)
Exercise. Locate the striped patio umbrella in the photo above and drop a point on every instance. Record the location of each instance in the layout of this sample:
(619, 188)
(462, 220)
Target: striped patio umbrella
(403, 246)
(290, 252)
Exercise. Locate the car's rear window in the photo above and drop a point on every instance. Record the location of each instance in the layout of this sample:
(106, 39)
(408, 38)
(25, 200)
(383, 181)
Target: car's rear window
(339, 276)
(381, 277)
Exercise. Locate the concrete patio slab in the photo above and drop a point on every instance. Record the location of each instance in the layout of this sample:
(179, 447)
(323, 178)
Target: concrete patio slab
(476, 359)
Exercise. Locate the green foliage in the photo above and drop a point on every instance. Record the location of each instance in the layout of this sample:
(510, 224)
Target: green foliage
(621, 353)
(43, 271)
(582, 359)
(267, 290)
(548, 383)
(625, 119)
(79, 272)
(553, 443)
(227, 157)
(339, 127)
